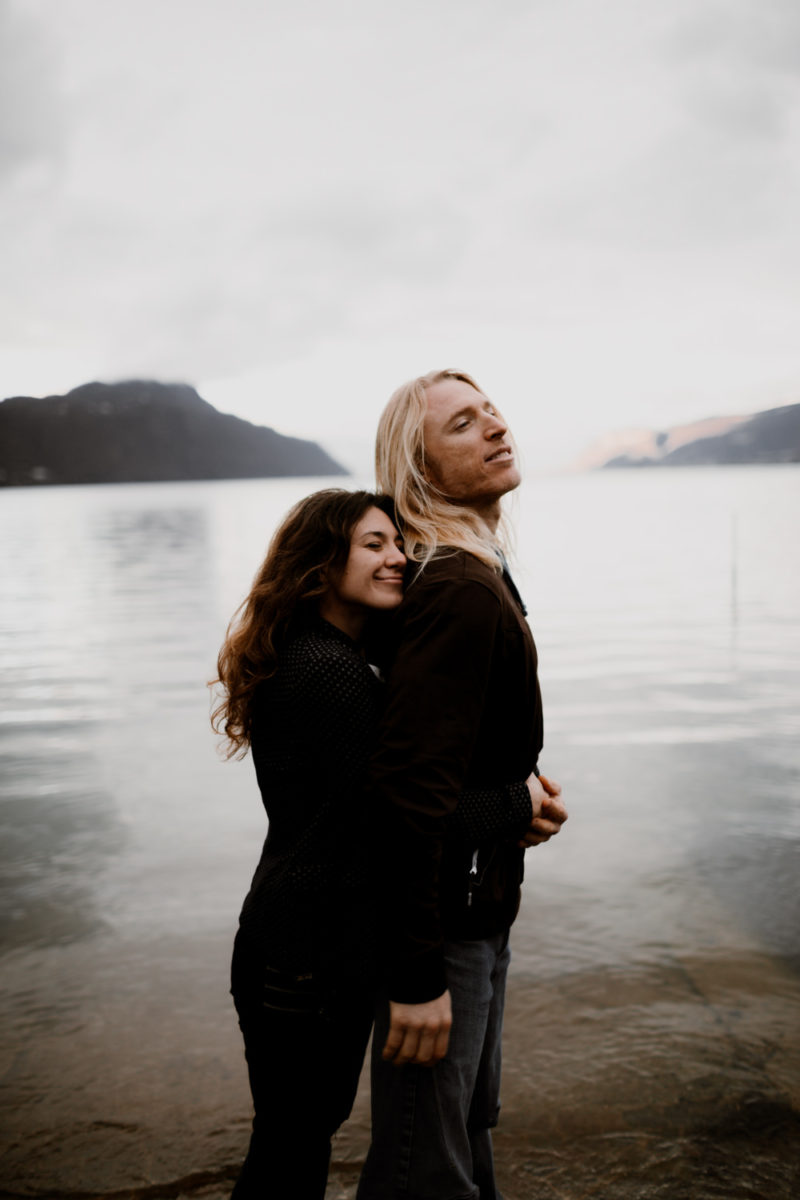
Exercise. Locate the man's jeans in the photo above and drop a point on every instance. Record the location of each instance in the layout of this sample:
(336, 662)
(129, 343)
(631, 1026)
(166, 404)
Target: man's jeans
(431, 1136)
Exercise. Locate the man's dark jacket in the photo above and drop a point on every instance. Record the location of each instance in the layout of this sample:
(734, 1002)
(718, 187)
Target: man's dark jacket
(463, 710)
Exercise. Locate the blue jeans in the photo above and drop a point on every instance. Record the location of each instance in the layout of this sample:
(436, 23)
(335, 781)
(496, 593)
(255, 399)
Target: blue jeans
(431, 1126)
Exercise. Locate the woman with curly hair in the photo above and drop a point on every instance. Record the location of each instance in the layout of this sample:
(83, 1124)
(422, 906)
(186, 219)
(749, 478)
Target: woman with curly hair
(300, 694)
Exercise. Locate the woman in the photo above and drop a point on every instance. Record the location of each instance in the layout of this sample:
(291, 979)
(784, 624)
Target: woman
(300, 693)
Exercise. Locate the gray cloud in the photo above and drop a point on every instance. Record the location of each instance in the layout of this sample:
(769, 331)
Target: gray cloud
(31, 127)
(213, 191)
(763, 36)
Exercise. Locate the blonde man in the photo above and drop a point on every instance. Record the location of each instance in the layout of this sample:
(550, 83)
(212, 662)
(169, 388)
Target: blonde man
(463, 710)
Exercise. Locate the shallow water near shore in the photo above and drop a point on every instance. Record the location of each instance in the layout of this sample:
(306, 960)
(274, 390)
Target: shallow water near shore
(652, 1039)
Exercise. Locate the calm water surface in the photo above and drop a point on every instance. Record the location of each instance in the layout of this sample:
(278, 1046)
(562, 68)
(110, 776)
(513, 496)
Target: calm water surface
(653, 1026)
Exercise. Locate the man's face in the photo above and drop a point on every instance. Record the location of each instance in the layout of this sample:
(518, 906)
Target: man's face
(468, 451)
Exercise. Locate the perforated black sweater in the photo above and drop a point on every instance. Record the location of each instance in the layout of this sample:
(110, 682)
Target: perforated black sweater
(312, 905)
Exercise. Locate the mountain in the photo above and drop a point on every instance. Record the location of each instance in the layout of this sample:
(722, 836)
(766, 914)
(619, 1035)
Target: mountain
(142, 431)
(772, 436)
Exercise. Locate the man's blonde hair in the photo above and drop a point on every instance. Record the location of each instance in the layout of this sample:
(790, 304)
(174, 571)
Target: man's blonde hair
(431, 523)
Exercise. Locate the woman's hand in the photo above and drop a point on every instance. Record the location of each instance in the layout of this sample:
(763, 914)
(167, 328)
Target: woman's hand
(548, 811)
(418, 1033)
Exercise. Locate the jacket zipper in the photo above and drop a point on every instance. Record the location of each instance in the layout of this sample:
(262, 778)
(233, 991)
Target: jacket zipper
(473, 875)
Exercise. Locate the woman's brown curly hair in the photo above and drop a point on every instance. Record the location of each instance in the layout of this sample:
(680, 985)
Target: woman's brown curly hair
(312, 542)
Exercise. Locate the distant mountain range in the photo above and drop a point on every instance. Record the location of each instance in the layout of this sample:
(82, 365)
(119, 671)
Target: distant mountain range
(142, 431)
(772, 436)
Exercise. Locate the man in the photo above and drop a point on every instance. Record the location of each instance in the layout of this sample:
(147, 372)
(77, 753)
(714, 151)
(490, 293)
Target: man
(463, 710)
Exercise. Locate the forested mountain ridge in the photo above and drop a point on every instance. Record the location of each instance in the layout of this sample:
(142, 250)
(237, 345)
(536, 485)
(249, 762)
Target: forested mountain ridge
(771, 436)
(142, 431)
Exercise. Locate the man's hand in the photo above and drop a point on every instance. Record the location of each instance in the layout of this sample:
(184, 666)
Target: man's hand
(418, 1033)
(549, 813)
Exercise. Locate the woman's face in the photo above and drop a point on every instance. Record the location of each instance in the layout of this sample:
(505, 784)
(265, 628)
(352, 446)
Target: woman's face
(373, 574)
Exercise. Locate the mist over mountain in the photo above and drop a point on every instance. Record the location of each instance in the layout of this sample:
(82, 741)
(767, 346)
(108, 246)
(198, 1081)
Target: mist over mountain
(772, 436)
(142, 431)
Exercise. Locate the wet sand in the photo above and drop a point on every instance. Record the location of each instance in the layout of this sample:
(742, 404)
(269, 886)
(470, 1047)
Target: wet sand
(150, 1101)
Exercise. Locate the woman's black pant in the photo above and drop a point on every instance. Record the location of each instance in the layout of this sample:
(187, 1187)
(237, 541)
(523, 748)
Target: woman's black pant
(304, 1045)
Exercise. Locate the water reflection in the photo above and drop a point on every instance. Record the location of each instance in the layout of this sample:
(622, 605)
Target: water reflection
(56, 836)
(765, 903)
(154, 544)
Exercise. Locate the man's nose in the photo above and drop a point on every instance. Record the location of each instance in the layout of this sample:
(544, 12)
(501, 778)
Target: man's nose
(495, 426)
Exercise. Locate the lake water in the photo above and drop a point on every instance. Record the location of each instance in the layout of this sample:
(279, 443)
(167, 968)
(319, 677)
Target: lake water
(653, 1026)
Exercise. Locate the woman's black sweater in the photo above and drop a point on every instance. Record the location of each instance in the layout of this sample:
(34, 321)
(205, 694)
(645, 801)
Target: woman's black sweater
(313, 906)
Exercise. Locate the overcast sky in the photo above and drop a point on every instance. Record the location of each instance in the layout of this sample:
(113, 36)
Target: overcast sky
(592, 205)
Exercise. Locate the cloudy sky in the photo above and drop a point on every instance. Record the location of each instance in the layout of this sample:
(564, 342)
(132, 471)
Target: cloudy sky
(296, 205)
